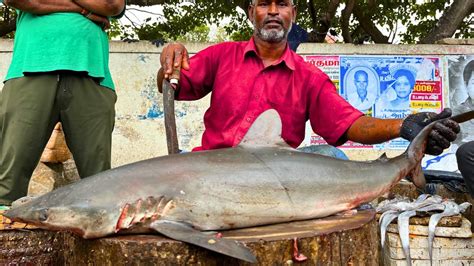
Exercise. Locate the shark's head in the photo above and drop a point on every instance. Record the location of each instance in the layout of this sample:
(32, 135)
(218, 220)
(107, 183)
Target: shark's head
(78, 218)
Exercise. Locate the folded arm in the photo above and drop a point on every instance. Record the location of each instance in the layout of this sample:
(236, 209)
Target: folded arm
(42, 7)
(104, 8)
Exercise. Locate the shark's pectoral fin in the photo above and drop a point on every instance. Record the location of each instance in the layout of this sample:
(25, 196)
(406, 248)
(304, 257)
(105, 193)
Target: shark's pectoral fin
(185, 233)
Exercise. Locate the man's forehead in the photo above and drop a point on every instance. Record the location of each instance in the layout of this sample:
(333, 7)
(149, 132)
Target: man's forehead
(263, 1)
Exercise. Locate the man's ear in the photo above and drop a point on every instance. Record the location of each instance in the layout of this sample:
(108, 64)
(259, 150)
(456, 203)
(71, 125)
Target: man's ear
(295, 10)
(251, 11)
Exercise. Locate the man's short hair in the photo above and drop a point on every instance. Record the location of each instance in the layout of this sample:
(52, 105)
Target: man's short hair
(253, 2)
(361, 73)
(467, 73)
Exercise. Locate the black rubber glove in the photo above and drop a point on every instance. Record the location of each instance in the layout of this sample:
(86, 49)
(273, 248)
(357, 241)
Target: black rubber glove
(443, 133)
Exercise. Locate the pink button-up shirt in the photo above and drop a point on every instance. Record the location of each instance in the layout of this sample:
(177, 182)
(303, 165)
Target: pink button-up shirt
(242, 88)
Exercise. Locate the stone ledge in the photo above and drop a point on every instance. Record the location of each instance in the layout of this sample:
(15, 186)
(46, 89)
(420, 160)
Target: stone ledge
(452, 41)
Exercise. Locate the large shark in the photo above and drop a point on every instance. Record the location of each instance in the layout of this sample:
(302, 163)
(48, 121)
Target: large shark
(261, 181)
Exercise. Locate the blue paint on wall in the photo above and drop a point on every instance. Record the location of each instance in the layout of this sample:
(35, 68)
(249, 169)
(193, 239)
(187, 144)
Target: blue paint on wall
(154, 112)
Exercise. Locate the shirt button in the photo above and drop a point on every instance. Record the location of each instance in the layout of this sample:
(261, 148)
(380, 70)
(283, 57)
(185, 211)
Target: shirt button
(249, 119)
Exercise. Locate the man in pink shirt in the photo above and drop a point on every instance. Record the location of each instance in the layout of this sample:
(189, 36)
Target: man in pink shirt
(247, 78)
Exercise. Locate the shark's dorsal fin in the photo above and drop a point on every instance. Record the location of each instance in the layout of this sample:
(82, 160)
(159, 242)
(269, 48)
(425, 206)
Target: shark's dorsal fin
(265, 131)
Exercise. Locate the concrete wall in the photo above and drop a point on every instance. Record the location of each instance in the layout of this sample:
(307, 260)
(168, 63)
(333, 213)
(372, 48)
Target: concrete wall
(139, 131)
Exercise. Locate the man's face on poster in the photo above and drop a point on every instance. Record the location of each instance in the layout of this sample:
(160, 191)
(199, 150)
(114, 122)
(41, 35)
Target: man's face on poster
(361, 85)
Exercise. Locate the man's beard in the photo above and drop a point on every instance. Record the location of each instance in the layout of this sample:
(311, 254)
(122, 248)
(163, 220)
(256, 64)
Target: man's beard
(271, 35)
(362, 94)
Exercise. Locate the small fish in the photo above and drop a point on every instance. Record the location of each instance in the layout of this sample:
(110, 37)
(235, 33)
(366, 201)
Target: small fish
(450, 209)
(385, 219)
(402, 209)
(403, 223)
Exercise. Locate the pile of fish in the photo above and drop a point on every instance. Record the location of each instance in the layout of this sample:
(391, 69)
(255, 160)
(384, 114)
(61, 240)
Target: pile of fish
(403, 208)
(261, 181)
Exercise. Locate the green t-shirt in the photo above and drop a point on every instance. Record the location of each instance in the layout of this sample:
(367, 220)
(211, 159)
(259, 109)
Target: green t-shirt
(60, 41)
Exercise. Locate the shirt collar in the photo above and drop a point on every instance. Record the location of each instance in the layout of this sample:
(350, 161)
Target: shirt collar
(287, 56)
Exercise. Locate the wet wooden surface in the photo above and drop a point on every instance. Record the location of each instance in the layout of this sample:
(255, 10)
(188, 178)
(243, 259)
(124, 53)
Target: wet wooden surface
(331, 240)
(31, 247)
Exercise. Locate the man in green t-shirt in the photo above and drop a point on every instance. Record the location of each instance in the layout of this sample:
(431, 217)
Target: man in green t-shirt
(59, 73)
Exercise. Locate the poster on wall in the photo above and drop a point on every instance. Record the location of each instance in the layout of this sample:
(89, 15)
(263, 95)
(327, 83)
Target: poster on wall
(330, 66)
(384, 87)
(461, 94)
(460, 81)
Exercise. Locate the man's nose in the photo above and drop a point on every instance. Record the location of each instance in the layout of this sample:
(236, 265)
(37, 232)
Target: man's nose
(273, 8)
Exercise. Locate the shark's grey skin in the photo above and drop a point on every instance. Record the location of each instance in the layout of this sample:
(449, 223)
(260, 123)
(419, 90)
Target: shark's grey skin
(261, 181)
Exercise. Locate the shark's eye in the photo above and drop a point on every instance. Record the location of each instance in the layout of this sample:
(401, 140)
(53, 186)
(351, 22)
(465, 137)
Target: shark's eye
(43, 215)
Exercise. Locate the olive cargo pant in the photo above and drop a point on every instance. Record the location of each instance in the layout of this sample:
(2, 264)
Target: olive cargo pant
(31, 106)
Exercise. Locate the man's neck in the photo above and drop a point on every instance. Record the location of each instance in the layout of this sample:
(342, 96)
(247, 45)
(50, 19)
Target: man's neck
(269, 52)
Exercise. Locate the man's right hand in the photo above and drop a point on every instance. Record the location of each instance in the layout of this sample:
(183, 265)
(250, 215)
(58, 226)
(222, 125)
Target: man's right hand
(444, 132)
(174, 57)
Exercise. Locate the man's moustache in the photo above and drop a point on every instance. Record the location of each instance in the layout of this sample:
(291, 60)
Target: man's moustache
(266, 21)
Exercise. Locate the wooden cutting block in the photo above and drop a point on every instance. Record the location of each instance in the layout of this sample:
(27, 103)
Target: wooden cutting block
(334, 240)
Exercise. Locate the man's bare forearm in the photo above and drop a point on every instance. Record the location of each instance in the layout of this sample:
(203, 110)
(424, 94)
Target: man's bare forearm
(104, 8)
(369, 130)
(42, 7)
